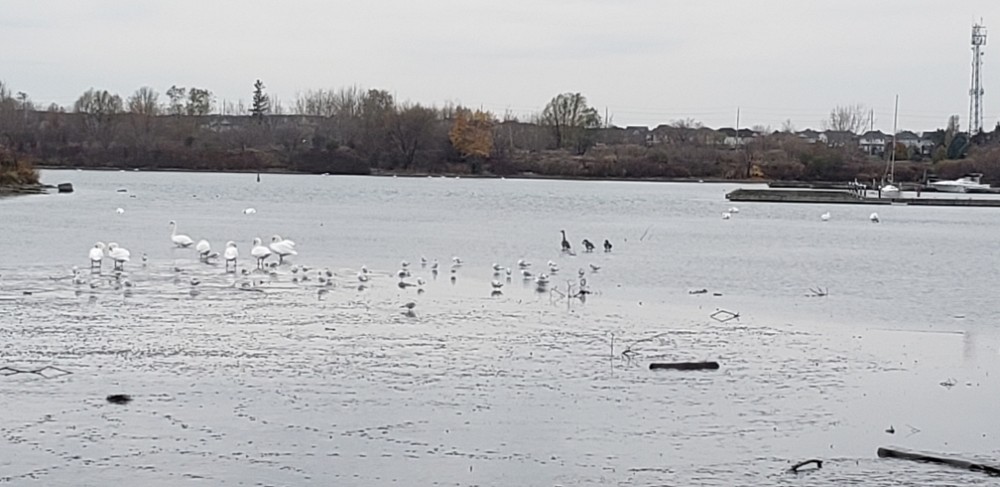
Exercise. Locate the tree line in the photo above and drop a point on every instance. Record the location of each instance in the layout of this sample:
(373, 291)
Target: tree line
(360, 131)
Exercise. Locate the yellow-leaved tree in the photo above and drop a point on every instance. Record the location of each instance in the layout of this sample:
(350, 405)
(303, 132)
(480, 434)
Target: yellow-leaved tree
(472, 133)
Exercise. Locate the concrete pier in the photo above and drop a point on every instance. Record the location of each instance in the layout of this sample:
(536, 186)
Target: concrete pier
(849, 198)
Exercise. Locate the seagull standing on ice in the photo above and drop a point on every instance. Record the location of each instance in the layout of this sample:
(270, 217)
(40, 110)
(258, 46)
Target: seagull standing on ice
(874, 217)
(825, 216)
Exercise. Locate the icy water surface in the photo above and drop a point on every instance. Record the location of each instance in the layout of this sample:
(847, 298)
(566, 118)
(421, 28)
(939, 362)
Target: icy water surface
(295, 381)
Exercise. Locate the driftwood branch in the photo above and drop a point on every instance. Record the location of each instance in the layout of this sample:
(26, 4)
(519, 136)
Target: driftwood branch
(795, 468)
(685, 366)
(885, 452)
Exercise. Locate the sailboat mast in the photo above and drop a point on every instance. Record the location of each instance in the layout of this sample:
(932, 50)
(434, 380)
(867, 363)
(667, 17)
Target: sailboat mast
(892, 155)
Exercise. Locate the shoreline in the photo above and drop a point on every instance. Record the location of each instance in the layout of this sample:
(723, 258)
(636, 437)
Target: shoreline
(415, 174)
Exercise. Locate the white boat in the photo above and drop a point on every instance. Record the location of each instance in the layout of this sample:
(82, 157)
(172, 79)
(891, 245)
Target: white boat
(965, 184)
(890, 191)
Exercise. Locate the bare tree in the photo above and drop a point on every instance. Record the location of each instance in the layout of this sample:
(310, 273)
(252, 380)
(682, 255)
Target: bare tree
(410, 129)
(568, 116)
(101, 110)
(176, 94)
(848, 118)
(199, 102)
(144, 106)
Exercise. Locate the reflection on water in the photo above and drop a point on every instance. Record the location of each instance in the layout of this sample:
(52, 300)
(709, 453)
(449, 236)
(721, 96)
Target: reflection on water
(290, 378)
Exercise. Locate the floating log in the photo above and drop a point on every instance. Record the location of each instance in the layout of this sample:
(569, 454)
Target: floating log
(795, 468)
(685, 366)
(923, 457)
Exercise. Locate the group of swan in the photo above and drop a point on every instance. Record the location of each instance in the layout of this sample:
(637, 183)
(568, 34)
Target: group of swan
(279, 246)
(118, 255)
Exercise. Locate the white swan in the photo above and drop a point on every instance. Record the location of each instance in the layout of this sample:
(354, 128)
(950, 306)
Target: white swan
(204, 248)
(825, 216)
(259, 252)
(282, 247)
(231, 254)
(119, 255)
(96, 255)
(179, 240)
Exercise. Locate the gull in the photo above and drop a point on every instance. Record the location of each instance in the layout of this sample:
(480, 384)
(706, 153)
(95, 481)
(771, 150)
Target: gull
(497, 267)
(249, 211)
(496, 284)
(409, 309)
(120, 211)
(523, 263)
(434, 265)
(594, 267)
(825, 216)
(456, 261)
(179, 240)
(362, 277)
(726, 215)
(734, 210)
(404, 264)
(423, 261)
(873, 217)
(231, 254)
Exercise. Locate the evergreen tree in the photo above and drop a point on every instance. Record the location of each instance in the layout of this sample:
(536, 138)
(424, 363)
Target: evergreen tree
(261, 104)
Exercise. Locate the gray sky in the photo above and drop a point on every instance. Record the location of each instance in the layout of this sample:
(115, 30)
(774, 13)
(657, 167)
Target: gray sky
(645, 61)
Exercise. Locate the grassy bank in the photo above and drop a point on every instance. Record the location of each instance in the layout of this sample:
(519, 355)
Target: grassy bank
(16, 171)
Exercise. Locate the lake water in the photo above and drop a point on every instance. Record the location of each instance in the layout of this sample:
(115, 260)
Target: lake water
(297, 382)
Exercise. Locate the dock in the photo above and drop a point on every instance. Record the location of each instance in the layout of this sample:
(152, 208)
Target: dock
(848, 197)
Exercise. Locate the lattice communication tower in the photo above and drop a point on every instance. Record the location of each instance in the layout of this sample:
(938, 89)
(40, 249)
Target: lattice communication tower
(976, 92)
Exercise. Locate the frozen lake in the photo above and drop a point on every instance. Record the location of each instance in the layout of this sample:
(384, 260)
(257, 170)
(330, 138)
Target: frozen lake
(300, 382)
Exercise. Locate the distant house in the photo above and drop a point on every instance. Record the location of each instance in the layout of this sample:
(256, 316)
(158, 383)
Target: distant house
(809, 135)
(638, 134)
(927, 143)
(873, 142)
(908, 139)
(837, 138)
(736, 138)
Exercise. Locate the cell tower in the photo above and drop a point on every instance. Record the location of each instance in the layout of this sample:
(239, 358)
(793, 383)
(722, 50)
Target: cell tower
(976, 92)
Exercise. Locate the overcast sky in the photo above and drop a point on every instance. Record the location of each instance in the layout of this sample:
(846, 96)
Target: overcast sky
(645, 62)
